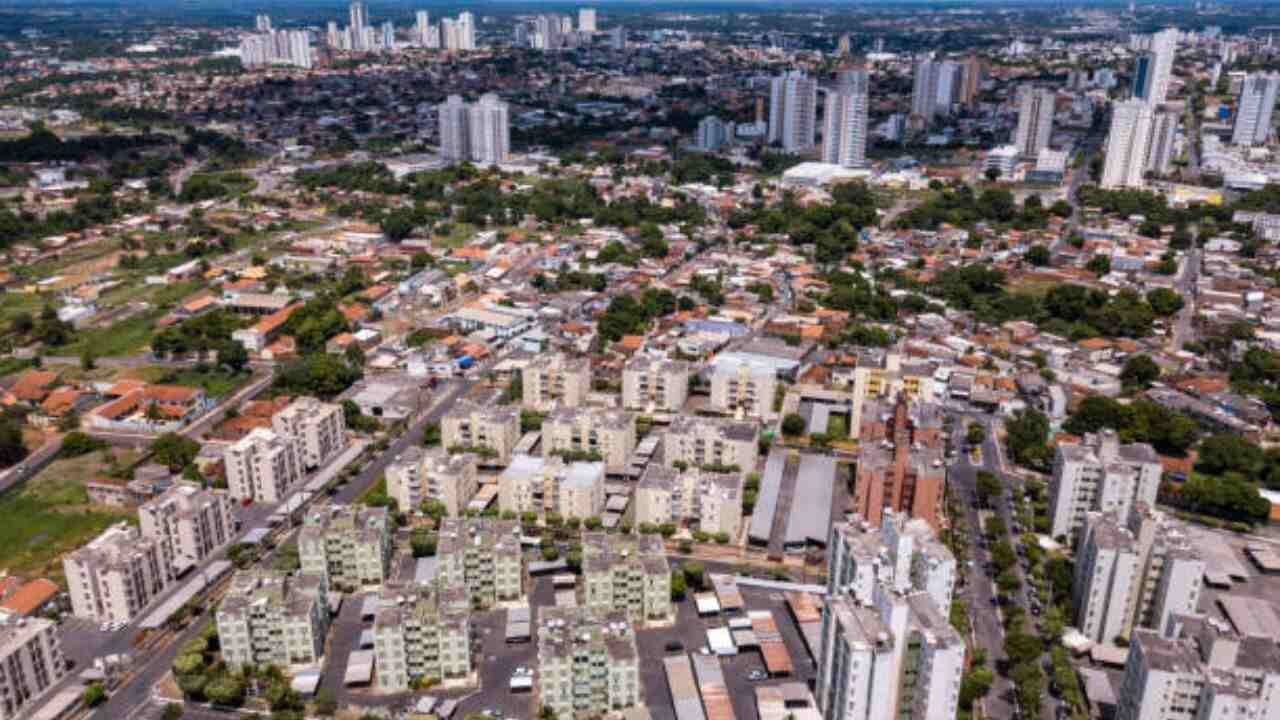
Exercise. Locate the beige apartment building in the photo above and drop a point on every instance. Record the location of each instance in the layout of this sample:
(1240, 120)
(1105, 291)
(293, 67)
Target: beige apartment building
(350, 545)
(189, 522)
(550, 485)
(269, 618)
(587, 662)
(608, 435)
(627, 574)
(483, 556)
(31, 662)
(319, 428)
(702, 441)
(418, 475)
(743, 389)
(555, 380)
(469, 426)
(116, 575)
(708, 501)
(263, 466)
(422, 635)
(655, 384)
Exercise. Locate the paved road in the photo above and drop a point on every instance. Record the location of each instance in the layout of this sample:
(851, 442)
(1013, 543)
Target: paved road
(1185, 285)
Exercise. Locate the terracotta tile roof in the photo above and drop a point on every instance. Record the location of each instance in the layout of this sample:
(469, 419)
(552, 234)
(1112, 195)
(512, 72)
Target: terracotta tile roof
(31, 597)
(272, 322)
(61, 400)
(375, 292)
(630, 343)
(265, 408)
(33, 385)
(124, 387)
(354, 312)
(170, 393)
(1095, 344)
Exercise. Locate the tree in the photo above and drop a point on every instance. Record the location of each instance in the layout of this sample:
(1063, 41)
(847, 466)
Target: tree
(1038, 255)
(678, 585)
(1139, 371)
(87, 361)
(12, 448)
(174, 451)
(992, 173)
(233, 356)
(398, 224)
(975, 685)
(76, 443)
(793, 425)
(987, 486)
(1164, 302)
(1028, 433)
(172, 711)
(1099, 265)
(975, 434)
(225, 689)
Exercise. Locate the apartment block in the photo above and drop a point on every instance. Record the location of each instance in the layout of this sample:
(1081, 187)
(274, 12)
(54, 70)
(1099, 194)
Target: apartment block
(490, 432)
(349, 545)
(900, 461)
(555, 380)
(263, 466)
(418, 475)
(31, 662)
(189, 522)
(319, 428)
(708, 501)
(627, 574)
(422, 634)
(484, 557)
(607, 435)
(116, 575)
(655, 384)
(701, 441)
(269, 618)
(1099, 474)
(902, 554)
(587, 662)
(883, 376)
(743, 389)
(551, 485)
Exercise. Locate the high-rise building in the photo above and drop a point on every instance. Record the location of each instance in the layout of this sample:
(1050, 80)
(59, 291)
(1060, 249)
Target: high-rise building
(902, 554)
(844, 45)
(466, 27)
(1100, 474)
(1127, 144)
(1164, 127)
(262, 23)
(655, 385)
(745, 388)
(1253, 111)
(280, 47)
(359, 16)
(262, 466)
(455, 138)
(31, 663)
(924, 90)
(1035, 120)
(617, 38)
(422, 27)
(974, 69)
(1154, 66)
(844, 137)
(587, 20)
(950, 85)
(713, 133)
(627, 574)
(587, 662)
(387, 36)
(555, 379)
(332, 37)
(189, 522)
(489, 125)
(793, 100)
(483, 556)
(419, 633)
(116, 575)
(319, 428)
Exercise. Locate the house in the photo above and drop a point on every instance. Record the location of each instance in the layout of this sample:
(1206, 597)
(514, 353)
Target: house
(33, 386)
(149, 408)
(32, 598)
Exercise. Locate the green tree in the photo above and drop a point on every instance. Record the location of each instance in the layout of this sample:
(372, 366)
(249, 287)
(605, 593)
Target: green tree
(1027, 438)
(975, 434)
(172, 711)
(233, 356)
(174, 451)
(1099, 265)
(225, 689)
(678, 585)
(1164, 302)
(1038, 255)
(94, 695)
(1139, 371)
(793, 425)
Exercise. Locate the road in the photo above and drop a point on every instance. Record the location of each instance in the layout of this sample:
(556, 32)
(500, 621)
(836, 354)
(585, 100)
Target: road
(1185, 285)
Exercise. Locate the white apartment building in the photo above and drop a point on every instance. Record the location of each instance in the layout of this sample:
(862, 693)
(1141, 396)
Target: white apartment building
(1128, 144)
(116, 575)
(318, 428)
(713, 134)
(555, 379)
(1253, 110)
(587, 20)
(489, 124)
(1100, 475)
(627, 574)
(422, 634)
(189, 522)
(550, 485)
(708, 501)
(606, 435)
(844, 137)
(1035, 120)
(349, 545)
(489, 432)
(418, 475)
(268, 618)
(701, 441)
(903, 554)
(262, 466)
(31, 662)
(655, 384)
(793, 105)
(742, 388)
(484, 557)
(587, 662)
(455, 137)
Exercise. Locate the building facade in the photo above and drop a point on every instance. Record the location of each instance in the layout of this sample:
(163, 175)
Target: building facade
(484, 557)
(349, 545)
(1128, 144)
(844, 137)
(115, 576)
(418, 475)
(1101, 475)
(627, 574)
(267, 618)
(555, 380)
(551, 485)
(189, 522)
(31, 663)
(655, 385)
(793, 101)
(742, 388)
(708, 501)
(421, 636)
(318, 428)
(262, 466)
(490, 432)
(1035, 120)
(606, 435)
(709, 442)
(1254, 108)
(900, 461)
(587, 662)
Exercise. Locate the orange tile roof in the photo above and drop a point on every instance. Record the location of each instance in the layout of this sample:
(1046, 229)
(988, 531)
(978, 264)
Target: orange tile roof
(1095, 343)
(61, 400)
(170, 393)
(33, 385)
(265, 408)
(31, 597)
(376, 291)
(630, 343)
(354, 312)
(272, 322)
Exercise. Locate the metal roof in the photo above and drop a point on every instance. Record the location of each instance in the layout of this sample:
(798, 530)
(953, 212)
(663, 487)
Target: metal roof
(767, 498)
(810, 516)
(684, 692)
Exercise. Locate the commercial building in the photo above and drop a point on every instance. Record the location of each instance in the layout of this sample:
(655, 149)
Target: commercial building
(654, 384)
(900, 461)
(31, 662)
(422, 635)
(743, 388)
(550, 485)
(606, 435)
(189, 523)
(587, 662)
(318, 428)
(793, 105)
(262, 466)
(1002, 159)
(269, 618)
(708, 501)
(349, 544)
(418, 475)
(1254, 108)
(489, 431)
(483, 556)
(701, 442)
(1035, 120)
(902, 554)
(555, 379)
(116, 575)
(1099, 474)
(844, 137)
(627, 574)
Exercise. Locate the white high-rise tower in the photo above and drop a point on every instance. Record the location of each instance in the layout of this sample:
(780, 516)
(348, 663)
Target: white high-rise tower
(793, 104)
(490, 130)
(587, 20)
(1035, 120)
(422, 27)
(844, 137)
(455, 137)
(1253, 114)
(1128, 144)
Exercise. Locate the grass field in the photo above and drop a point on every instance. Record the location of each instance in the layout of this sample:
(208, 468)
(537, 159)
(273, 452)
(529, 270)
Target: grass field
(125, 337)
(215, 383)
(459, 234)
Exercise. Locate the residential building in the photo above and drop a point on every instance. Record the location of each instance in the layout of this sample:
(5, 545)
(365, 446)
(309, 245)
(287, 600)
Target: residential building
(743, 389)
(1003, 159)
(1254, 108)
(483, 556)
(974, 70)
(422, 635)
(1160, 147)
(713, 134)
(655, 385)
(551, 485)
(349, 544)
(262, 466)
(270, 618)
(587, 662)
(844, 137)
(935, 89)
(607, 435)
(1035, 120)
(902, 554)
(489, 124)
(1128, 144)
(587, 20)
(878, 376)
(116, 575)
(709, 501)
(900, 461)
(555, 379)
(455, 135)
(702, 441)
(418, 475)
(1100, 474)
(318, 428)
(489, 431)
(189, 522)
(31, 663)
(793, 100)
(1154, 67)
(627, 574)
